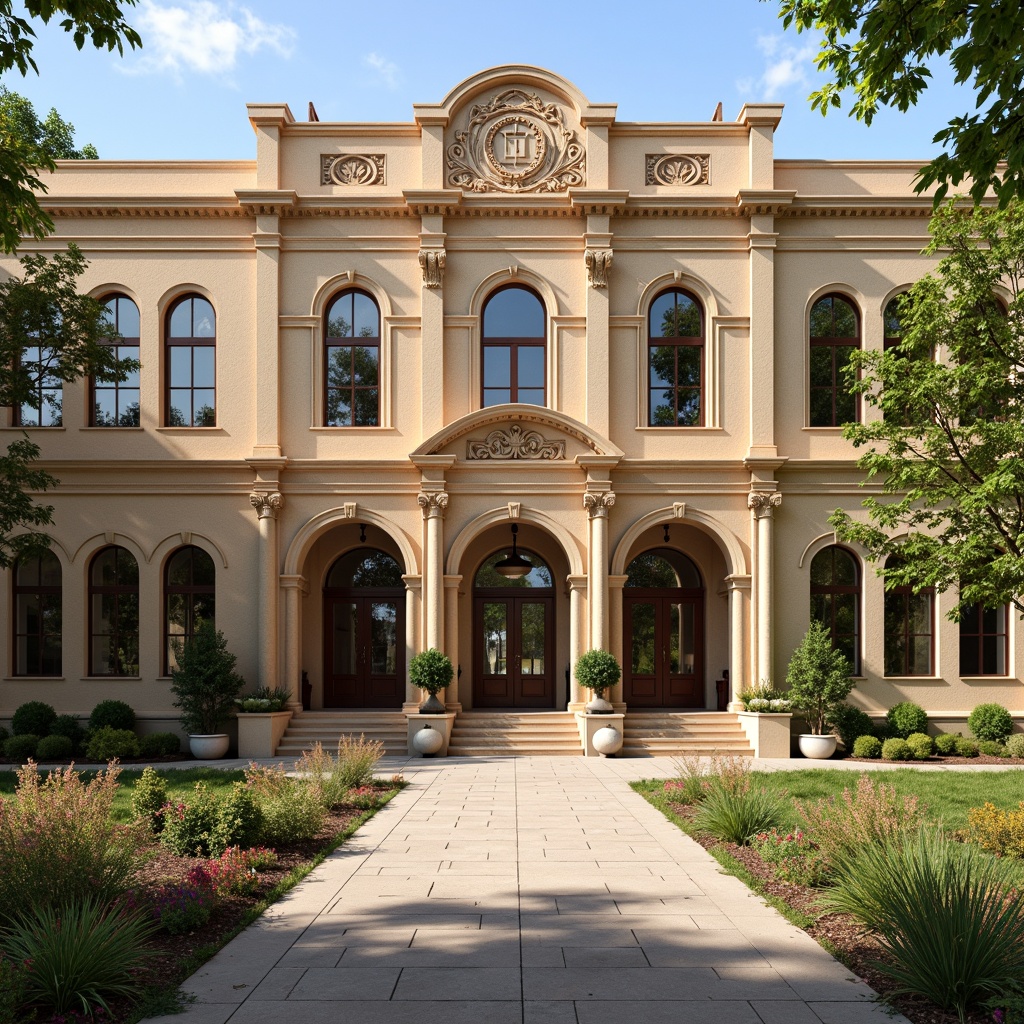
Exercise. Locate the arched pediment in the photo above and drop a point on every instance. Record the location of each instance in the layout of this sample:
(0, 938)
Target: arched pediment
(519, 433)
(527, 77)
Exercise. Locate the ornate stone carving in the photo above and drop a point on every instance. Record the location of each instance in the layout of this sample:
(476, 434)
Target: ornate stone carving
(432, 265)
(434, 504)
(597, 505)
(678, 169)
(515, 443)
(348, 509)
(514, 508)
(267, 505)
(599, 262)
(763, 503)
(352, 169)
(516, 143)
(679, 509)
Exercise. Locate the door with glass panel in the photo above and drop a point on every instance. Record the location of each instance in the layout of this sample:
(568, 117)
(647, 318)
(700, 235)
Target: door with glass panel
(663, 622)
(364, 632)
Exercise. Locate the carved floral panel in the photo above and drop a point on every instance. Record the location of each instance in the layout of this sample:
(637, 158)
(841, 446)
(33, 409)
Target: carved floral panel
(515, 443)
(352, 169)
(678, 169)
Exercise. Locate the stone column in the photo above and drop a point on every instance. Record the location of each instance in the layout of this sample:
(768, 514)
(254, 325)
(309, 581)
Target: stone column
(738, 588)
(577, 641)
(451, 642)
(434, 505)
(293, 587)
(267, 506)
(413, 589)
(763, 504)
(615, 585)
(597, 504)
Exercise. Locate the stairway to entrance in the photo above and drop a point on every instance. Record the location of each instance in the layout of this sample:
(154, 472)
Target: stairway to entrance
(679, 734)
(510, 733)
(328, 727)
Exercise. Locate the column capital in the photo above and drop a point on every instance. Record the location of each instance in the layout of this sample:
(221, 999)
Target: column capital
(598, 503)
(432, 263)
(598, 263)
(267, 505)
(433, 503)
(763, 503)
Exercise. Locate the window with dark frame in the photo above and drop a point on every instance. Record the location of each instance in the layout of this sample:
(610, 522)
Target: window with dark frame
(191, 372)
(189, 598)
(114, 613)
(984, 636)
(37, 615)
(514, 348)
(909, 629)
(45, 407)
(834, 337)
(116, 403)
(835, 600)
(675, 357)
(352, 361)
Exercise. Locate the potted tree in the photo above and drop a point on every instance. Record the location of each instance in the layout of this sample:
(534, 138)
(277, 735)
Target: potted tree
(431, 670)
(819, 683)
(598, 671)
(205, 684)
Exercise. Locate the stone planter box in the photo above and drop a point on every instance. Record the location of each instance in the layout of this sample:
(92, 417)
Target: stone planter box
(260, 732)
(590, 724)
(442, 723)
(768, 732)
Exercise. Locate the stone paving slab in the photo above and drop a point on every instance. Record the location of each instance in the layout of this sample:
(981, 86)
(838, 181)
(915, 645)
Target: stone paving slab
(524, 891)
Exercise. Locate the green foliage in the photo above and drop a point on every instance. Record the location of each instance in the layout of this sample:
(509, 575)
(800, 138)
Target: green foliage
(793, 856)
(192, 827)
(112, 714)
(990, 722)
(82, 953)
(21, 748)
(1015, 745)
(991, 748)
(867, 746)
(52, 137)
(160, 744)
(293, 809)
(691, 781)
(431, 670)
(240, 822)
(905, 718)
(4, 734)
(67, 725)
(35, 717)
(12, 990)
(106, 744)
(149, 794)
(897, 749)
(922, 745)
(204, 681)
(945, 743)
(849, 723)
(883, 52)
(818, 678)
(966, 747)
(945, 455)
(54, 748)
(733, 810)
(997, 831)
(264, 699)
(598, 671)
(945, 912)
(333, 777)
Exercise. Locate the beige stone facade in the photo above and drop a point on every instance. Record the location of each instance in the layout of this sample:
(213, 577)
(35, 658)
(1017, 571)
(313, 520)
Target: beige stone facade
(514, 180)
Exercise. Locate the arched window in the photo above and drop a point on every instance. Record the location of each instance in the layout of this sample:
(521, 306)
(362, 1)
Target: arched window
(663, 567)
(891, 322)
(116, 403)
(835, 335)
(675, 351)
(352, 361)
(114, 613)
(835, 600)
(189, 598)
(908, 628)
(37, 615)
(983, 641)
(191, 372)
(514, 348)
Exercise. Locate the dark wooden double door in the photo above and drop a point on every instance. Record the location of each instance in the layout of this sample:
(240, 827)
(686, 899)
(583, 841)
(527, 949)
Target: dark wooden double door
(664, 649)
(364, 649)
(514, 650)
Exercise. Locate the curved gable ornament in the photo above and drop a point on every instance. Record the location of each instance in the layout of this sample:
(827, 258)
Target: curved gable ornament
(517, 143)
(515, 443)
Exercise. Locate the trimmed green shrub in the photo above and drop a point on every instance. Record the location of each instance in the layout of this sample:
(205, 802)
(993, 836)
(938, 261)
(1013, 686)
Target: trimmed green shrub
(867, 746)
(54, 748)
(293, 809)
(597, 671)
(204, 681)
(4, 734)
(105, 744)
(191, 828)
(906, 718)
(112, 714)
(159, 744)
(849, 723)
(945, 743)
(33, 719)
(1015, 745)
(896, 749)
(67, 725)
(818, 678)
(149, 794)
(966, 747)
(21, 748)
(241, 821)
(990, 748)
(990, 722)
(921, 744)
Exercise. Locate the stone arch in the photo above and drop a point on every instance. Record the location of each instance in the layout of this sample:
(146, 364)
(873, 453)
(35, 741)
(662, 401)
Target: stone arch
(521, 75)
(522, 276)
(827, 540)
(314, 528)
(727, 541)
(183, 539)
(99, 541)
(341, 282)
(686, 281)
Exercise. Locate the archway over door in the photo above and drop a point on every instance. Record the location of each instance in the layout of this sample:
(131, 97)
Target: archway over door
(663, 632)
(364, 632)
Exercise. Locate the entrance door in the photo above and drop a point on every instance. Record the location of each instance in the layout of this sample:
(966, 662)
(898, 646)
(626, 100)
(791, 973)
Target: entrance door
(664, 632)
(364, 632)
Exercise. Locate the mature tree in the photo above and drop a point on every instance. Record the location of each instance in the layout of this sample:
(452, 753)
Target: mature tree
(949, 452)
(97, 21)
(52, 137)
(881, 50)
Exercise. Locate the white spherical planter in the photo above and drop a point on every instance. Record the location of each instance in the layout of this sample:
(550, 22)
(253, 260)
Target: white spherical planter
(607, 741)
(427, 741)
(817, 747)
(210, 747)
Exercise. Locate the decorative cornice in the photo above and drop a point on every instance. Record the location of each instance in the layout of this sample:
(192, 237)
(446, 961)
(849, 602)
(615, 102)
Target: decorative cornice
(267, 505)
(763, 503)
(433, 503)
(432, 264)
(599, 262)
(598, 503)
(515, 443)
(266, 202)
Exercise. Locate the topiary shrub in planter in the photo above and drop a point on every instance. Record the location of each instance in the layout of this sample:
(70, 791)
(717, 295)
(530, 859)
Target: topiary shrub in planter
(819, 683)
(906, 718)
(990, 722)
(112, 714)
(945, 743)
(921, 744)
(21, 748)
(867, 746)
(431, 670)
(54, 748)
(966, 747)
(896, 749)
(850, 723)
(105, 744)
(33, 719)
(598, 671)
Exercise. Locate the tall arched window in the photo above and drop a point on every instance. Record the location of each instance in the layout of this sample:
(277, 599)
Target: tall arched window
(189, 598)
(191, 371)
(835, 600)
(891, 323)
(514, 348)
(116, 403)
(37, 615)
(114, 613)
(908, 628)
(835, 336)
(352, 361)
(675, 352)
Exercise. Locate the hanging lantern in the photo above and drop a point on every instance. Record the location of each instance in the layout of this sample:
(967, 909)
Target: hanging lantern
(515, 566)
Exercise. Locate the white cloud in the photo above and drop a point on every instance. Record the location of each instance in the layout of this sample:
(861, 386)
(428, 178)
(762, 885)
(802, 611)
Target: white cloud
(387, 71)
(785, 65)
(200, 36)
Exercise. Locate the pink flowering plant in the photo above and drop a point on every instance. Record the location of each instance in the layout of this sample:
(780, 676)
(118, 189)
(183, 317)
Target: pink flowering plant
(236, 871)
(183, 908)
(793, 856)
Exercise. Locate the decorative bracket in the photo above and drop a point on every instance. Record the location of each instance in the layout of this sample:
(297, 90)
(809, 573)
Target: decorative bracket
(432, 264)
(514, 508)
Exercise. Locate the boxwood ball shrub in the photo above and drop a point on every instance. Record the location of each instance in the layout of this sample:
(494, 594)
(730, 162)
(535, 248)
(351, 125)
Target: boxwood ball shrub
(966, 747)
(160, 744)
(33, 719)
(896, 749)
(68, 725)
(867, 746)
(597, 671)
(107, 743)
(921, 744)
(991, 748)
(112, 714)
(906, 718)
(945, 743)
(1015, 745)
(990, 722)
(54, 748)
(21, 748)
(850, 723)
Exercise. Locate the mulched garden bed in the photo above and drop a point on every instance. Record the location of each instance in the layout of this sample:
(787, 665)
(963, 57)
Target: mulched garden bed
(1010, 762)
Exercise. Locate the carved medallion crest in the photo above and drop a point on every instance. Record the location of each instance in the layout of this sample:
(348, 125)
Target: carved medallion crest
(678, 169)
(515, 443)
(516, 143)
(352, 169)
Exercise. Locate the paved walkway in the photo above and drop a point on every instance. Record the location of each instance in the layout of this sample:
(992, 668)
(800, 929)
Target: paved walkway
(524, 891)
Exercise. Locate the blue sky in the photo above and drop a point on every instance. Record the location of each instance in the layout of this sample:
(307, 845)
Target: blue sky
(183, 95)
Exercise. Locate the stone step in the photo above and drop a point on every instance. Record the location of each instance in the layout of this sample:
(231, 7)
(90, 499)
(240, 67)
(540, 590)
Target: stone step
(512, 733)
(308, 727)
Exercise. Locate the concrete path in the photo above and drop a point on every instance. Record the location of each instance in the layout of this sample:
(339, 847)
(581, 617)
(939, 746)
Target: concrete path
(524, 891)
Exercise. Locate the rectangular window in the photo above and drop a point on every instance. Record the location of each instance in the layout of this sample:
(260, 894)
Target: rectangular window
(983, 641)
(44, 409)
